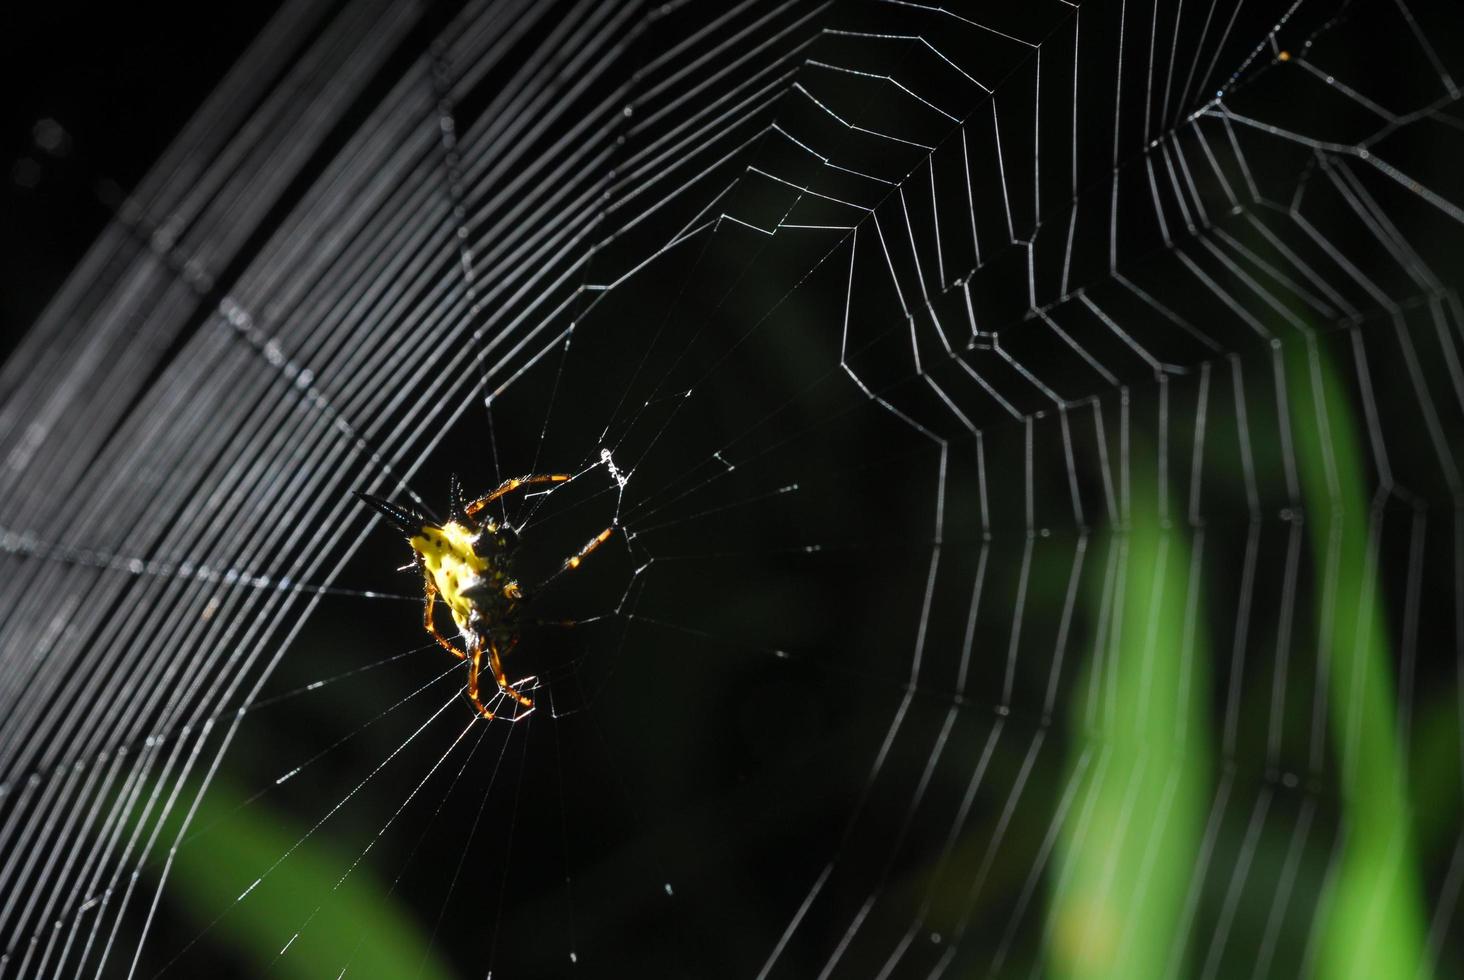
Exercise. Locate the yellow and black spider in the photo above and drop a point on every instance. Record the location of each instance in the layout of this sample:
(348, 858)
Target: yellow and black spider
(469, 563)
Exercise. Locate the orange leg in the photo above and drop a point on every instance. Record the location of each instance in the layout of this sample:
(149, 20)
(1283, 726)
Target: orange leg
(510, 485)
(495, 663)
(431, 627)
(473, 667)
(573, 561)
(496, 666)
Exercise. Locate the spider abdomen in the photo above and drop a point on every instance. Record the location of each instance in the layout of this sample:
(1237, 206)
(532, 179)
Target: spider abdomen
(449, 556)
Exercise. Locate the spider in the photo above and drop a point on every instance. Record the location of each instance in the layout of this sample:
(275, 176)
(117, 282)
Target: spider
(468, 562)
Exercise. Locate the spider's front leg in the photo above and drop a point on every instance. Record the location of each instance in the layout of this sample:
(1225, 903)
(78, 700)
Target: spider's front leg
(573, 561)
(510, 485)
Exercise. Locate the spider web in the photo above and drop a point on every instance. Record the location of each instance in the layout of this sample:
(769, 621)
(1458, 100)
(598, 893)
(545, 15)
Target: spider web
(1029, 438)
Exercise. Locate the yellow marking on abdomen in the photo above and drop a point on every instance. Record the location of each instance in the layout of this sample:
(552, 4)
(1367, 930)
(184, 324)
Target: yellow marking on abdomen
(448, 556)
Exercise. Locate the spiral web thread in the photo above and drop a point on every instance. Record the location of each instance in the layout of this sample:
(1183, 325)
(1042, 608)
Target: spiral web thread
(1131, 252)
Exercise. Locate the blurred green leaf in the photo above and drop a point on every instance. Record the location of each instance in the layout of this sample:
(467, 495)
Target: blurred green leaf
(1131, 834)
(308, 905)
(1372, 922)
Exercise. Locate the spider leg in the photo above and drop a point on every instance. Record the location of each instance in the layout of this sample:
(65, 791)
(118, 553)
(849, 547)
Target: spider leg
(473, 667)
(431, 626)
(575, 560)
(495, 665)
(510, 485)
